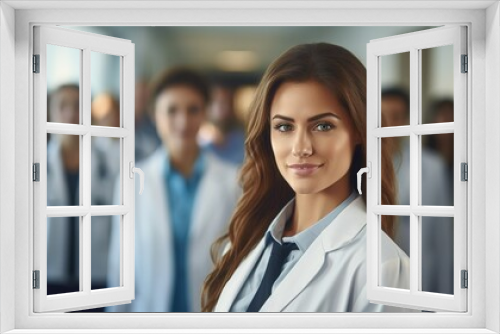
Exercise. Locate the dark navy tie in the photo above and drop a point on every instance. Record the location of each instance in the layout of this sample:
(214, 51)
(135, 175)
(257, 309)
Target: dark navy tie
(279, 253)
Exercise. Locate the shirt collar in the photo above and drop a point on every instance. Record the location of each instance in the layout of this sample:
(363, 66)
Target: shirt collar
(305, 238)
(199, 165)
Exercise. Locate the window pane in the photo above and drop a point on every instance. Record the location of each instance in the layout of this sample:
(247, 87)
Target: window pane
(402, 233)
(105, 171)
(395, 94)
(437, 84)
(63, 255)
(399, 148)
(437, 170)
(63, 84)
(388, 277)
(105, 87)
(105, 251)
(63, 170)
(437, 254)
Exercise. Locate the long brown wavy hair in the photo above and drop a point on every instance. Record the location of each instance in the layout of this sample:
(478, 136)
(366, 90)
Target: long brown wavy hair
(265, 191)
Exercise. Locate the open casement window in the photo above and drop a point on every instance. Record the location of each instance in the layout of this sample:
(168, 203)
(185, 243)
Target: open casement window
(416, 46)
(77, 218)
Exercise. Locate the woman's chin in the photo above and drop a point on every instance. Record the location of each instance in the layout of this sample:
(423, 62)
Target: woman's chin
(304, 189)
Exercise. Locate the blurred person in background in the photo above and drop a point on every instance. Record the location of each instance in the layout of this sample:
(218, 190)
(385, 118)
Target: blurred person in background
(146, 137)
(437, 236)
(106, 112)
(224, 134)
(63, 189)
(188, 199)
(442, 112)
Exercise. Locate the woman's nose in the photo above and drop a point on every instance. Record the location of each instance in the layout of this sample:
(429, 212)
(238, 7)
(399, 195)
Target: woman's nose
(302, 145)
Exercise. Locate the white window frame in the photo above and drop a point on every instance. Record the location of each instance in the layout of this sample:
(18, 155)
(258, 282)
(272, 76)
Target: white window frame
(413, 43)
(484, 103)
(85, 43)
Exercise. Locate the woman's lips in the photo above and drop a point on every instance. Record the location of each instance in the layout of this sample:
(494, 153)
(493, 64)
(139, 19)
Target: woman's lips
(304, 169)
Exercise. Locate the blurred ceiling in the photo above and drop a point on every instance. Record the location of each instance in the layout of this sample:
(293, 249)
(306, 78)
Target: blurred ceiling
(238, 51)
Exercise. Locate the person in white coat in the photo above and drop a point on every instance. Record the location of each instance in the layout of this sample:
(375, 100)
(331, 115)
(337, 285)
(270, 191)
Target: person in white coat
(189, 196)
(437, 189)
(297, 240)
(63, 184)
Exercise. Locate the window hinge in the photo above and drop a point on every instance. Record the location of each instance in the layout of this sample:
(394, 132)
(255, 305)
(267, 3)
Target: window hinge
(465, 64)
(36, 279)
(36, 63)
(465, 171)
(465, 279)
(36, 172)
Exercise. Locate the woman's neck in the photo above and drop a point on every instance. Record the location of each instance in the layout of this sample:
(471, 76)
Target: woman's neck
(310, 208)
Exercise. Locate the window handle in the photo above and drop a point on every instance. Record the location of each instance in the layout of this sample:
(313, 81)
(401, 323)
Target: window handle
(133, 170)
(368, 171)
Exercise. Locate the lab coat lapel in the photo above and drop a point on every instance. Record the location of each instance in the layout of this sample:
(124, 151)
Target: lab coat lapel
(297, 279)
(235, 283)
(339, 233)
(157, 224)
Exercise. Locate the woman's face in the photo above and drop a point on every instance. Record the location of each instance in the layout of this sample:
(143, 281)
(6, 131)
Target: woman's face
(312, 138)
(180, 111)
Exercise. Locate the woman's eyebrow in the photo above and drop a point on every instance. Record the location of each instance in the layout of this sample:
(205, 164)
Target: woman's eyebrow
(311, 119)
(320, 116)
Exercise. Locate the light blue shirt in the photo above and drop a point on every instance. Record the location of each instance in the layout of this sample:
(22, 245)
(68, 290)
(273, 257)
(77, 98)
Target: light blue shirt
(303, 240)
(181, 195)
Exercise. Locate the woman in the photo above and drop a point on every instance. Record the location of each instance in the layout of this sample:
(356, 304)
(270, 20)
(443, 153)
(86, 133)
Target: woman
(306, 142)
(188, 198)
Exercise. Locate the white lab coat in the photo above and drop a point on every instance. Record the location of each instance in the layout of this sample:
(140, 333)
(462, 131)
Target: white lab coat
(57, 235)
(331, 275)
(215, 201)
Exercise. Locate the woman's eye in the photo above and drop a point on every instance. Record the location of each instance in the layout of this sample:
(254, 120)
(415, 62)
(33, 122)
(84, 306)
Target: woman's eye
(324, 127)
(283, 127)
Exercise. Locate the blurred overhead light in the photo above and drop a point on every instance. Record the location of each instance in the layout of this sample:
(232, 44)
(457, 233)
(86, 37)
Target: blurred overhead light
(237, 61)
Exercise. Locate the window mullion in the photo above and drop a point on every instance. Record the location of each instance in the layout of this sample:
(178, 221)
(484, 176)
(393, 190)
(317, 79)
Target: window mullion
(415, 263)
(86, 163)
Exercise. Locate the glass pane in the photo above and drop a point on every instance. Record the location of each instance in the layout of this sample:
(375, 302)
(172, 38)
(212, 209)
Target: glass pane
(437, 84)
(63, 84)
(63, 255)
(437, 170)
(105, 171)
(437, 254)
(105, 251)
(63, 170)
(105, 88)
(395, 94)
(401, 232)
(399, 148)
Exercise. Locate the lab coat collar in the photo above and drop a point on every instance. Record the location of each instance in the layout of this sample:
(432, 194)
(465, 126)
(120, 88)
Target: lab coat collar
(343, 229)
(346, 226)
(198, 168)
(338, 234)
